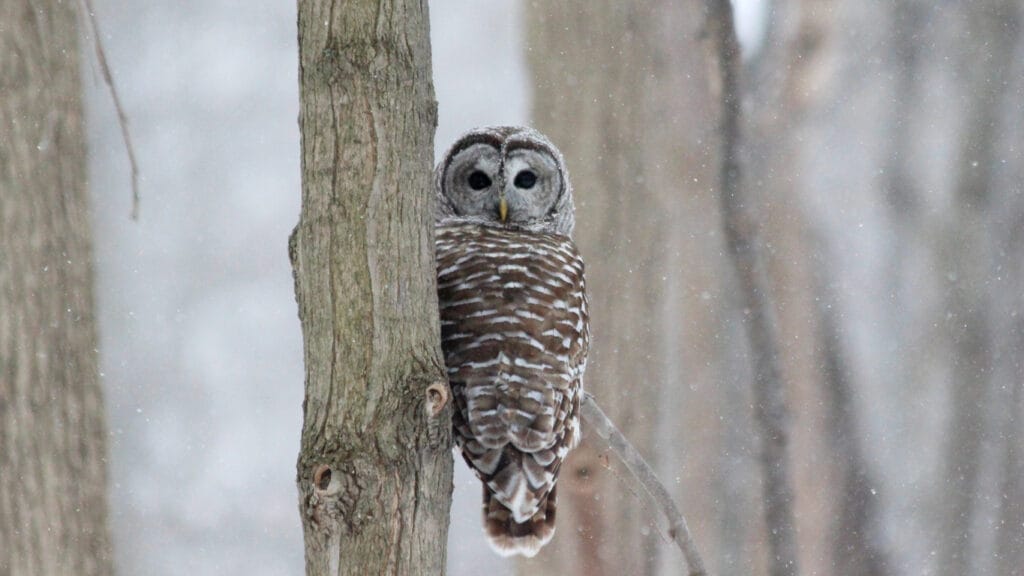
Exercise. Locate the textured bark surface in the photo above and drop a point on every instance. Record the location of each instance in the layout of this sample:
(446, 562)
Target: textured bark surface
(53, 458)
(614, 89)
(375, 467)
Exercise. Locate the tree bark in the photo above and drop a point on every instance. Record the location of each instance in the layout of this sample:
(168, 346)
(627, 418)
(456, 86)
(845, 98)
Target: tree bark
(967, 257)
(1008, 382)
(858, 548)
(53, 453)
(1010, 531)
(839, 509)
(613, 89)
(375, 467)
(741, 235)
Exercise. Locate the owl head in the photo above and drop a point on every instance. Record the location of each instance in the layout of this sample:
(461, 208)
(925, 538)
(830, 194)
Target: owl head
(505, 176)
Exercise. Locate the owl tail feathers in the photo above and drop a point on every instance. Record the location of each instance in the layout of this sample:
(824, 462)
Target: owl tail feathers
(509, 537)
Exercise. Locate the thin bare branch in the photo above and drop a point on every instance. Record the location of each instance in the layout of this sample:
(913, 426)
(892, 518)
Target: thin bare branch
(122, 118)
(741, 232)
(678, 530)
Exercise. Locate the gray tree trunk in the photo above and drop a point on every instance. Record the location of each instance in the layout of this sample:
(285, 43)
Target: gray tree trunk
(53, 454)
(742, 233)
(848, 539)
(1008, 382)
(589, 116)
(375, 467)
(967, 255)
(858, 546)
(1010, 527)
(617, 85)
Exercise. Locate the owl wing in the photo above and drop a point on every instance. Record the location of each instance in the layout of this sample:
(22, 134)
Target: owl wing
(515, 334)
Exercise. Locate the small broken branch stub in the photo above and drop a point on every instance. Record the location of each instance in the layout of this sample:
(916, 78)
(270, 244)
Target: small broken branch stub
(322, 477)
(437, 398)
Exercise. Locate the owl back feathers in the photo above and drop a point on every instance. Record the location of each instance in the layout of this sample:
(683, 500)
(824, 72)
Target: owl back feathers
(514, 327)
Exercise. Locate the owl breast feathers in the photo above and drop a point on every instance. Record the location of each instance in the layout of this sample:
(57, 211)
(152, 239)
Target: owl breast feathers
(514, 325)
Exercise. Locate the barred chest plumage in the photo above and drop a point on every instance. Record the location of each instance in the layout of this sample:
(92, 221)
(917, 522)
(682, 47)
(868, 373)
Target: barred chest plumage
(515, 335)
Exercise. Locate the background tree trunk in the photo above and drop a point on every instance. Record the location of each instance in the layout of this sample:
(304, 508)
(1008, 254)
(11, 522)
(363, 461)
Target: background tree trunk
(891, 142)
(840, 523)
(53, 453)
(375, 467)
(858, 545)
(967, 257)
(744, 238)
(1008, 383)
(618, 86)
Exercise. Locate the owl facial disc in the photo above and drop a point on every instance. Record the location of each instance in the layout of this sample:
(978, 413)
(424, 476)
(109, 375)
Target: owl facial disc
(510, 177)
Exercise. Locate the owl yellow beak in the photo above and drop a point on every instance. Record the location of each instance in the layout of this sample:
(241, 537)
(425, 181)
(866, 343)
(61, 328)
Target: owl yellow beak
(502, 209)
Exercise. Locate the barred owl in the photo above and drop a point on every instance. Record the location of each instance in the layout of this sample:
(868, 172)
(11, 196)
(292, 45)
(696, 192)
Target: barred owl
(514, 323)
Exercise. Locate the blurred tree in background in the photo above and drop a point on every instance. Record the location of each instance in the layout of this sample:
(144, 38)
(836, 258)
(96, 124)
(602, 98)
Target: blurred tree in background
(881, 151)
(621, 87)
(900, 137)
(53, 435)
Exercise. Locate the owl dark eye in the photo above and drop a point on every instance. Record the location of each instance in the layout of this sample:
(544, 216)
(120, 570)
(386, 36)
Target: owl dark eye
(478, 180)
(525, 179)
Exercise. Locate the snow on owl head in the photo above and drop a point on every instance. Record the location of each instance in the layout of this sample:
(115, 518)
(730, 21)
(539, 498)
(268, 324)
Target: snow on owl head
(505, 176)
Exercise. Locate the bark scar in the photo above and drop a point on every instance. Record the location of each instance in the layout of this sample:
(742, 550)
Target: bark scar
(437, 398)
(333, 498)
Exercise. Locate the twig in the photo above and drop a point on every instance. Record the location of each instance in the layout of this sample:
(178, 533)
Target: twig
(122, 118)
(628, 485)
(741, 234)
(678, 529)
